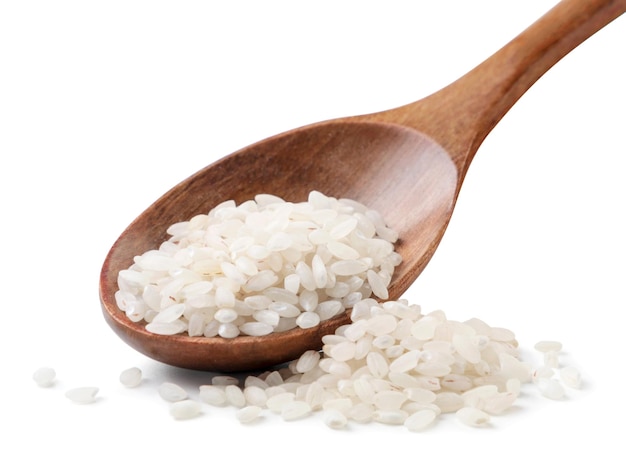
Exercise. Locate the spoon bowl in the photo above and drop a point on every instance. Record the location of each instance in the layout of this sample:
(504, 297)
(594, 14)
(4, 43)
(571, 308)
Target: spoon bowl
(426, 181)
(408, 163)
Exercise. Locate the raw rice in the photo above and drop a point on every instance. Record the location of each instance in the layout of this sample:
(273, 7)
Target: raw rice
(248, 414)
(379, 368)
(399, 366)
(44, 376)
(335, 419)
(82, 395)
(171, 392)
(551, 388)
(131, 377)
(213, 395)
(185, 409)
(267, 265)
(472, 416)
(294, 410)
(420, 420)
(263, 266)
(570, 376)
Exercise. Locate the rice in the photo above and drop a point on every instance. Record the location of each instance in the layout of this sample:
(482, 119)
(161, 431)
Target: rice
(82, 395)
(335, 419)
(44, 376)
(185, 409)
(235, 396)
(570, 376)
(248, 414)
(295, 409)
(420, 419)
(131, 377)
(382, 369)
(267, 265)
(171, 392)
(472, 416)
(213, 395)
(263, 266)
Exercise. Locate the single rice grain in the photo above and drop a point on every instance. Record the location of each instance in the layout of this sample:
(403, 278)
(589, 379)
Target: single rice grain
(185, 409)
(44, 377)
(82, 395)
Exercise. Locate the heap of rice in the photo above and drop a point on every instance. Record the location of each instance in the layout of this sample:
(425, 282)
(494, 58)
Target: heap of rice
(263, 266)
(392, 365)
(268, 265)
(395, 365)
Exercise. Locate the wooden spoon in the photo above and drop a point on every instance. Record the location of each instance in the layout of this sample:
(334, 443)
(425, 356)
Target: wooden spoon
(408, 163)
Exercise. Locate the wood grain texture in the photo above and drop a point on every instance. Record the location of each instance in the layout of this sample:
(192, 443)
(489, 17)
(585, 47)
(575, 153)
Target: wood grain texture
(408, 163)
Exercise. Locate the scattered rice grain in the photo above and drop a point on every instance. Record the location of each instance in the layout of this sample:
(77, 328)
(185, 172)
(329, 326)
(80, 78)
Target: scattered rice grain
(295, 410)
(171, 392)
(570, 376)
(420, 420)
(235, 396)
(248, 414)
(335, 419)
(213, 395)
(131, 377)
(392, 417)
(548, 346)
(82, 395)
(44, 377)
(551, 388)
(472, 416)
(185, 409)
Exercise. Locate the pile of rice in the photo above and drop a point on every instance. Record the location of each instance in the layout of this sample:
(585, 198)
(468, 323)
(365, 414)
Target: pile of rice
(393, 365)
(268, 265)
(396, 365)
(263, 266)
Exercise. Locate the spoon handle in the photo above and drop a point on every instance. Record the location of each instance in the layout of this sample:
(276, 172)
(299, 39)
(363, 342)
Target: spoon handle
(460, 116)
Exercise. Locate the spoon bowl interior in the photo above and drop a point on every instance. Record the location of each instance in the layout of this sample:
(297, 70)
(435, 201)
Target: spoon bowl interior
(364, 161)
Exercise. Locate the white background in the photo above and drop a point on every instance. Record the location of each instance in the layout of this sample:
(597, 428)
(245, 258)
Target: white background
(106, 105)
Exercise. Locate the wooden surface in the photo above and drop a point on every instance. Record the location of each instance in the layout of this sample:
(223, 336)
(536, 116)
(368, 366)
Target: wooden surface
(408, 163)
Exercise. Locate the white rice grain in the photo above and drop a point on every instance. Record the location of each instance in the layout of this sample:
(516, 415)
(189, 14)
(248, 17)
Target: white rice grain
(335, 419)
(548, 346)
(294, 410)
(171, 392)
(420, 420)
(44, 377)
(185, 409)
(82, 395)
(260, 255)
(131, 377)
(256, 328)
(248, 414)
(213, 395)
(405, 362)
(551, 388)
(571, 377)
(392, 417)
(224, 380)
(235, 396)
(308, 361)
(308, 320)
(277, 402)
(472, 417)
(255, 396)
(379, 287)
